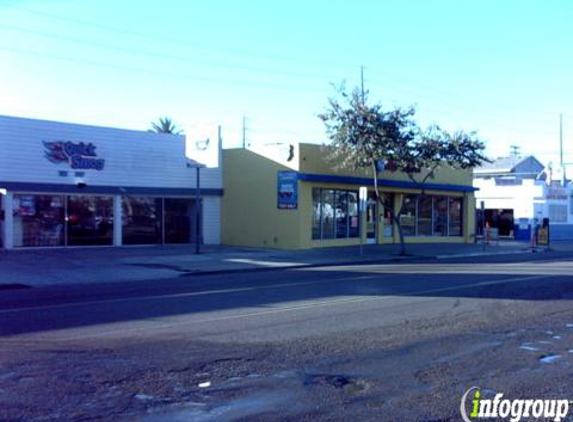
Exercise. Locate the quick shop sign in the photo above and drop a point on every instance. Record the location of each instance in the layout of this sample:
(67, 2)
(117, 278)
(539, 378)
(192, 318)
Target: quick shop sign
(79, 156)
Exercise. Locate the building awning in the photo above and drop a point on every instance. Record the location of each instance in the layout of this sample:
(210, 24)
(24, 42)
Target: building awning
(365, 181)
(72, 189)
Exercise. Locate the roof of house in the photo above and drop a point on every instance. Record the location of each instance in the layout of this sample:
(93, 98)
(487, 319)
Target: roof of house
(507, 165)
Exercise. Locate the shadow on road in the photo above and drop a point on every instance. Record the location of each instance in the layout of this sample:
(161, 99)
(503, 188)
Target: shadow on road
(44, 309)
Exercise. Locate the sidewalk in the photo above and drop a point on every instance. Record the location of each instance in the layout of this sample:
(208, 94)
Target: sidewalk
(100, 265)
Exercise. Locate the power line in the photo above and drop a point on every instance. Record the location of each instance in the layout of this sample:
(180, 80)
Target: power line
(187, 77)
(157, 73)
(194, 78)
(453, 105)
(165, 39)
(196, 45)
(240, 67)
(458, 95)
(159, 55)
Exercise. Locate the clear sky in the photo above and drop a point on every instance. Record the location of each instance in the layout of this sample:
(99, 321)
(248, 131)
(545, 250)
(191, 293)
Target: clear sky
(503, 68)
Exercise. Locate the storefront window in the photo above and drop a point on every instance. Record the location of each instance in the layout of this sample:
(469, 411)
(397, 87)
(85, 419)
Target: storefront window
(455, 217)
(335, 214)
(316, 213)
(327, 214)
(142, 220)
(440, 216)
(424, 215)
(38, 220)
(353, 215)
(179, 214)
(432, 216)
(90, 220)
(408, 216)
(341, 213)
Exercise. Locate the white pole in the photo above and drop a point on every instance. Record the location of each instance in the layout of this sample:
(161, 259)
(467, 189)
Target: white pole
(117, 221)
(8, 221)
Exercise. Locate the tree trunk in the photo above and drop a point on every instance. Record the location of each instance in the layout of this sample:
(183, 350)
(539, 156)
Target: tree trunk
(402, 243)
(396, 222)
(395, 216)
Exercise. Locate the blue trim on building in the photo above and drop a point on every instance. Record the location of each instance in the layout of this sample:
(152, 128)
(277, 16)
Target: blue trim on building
(105, 190)
(365, 181)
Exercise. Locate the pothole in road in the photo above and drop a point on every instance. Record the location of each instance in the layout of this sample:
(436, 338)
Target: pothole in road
(348, 384)
(549, 358)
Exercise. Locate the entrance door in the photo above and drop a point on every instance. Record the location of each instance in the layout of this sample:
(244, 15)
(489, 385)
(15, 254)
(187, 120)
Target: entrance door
(180, 226)
(371, 218)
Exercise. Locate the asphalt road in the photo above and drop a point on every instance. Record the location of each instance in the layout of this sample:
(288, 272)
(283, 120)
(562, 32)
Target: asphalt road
(374, 342)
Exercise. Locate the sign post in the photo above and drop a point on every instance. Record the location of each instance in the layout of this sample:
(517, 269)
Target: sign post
(362, 198)
(482, 210)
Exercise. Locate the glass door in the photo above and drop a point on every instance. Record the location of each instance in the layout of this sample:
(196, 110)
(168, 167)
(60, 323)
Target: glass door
(179, 224)
(90, 220)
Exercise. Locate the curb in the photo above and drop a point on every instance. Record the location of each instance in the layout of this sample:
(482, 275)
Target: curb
(476, 254)
(393, 260)
(514, 252)
(355, 263)
(303, 266)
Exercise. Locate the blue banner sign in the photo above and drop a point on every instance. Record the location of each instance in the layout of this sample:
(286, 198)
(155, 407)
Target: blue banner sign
(287, 190)
(79, 156)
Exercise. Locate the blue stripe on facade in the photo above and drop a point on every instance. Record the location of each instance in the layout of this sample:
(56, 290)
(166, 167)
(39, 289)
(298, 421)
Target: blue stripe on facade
(365, 181)
(109, 190)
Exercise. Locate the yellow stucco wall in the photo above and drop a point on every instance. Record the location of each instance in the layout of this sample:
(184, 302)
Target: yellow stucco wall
(249, 208)
(249, 215)
(313, 160)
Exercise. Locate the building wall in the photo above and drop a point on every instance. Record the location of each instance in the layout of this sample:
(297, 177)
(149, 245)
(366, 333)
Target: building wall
(212, 220)
(249, 206)
(151, 163)
(313, 160)
(530, 199)
(520, 197)
(132, 158)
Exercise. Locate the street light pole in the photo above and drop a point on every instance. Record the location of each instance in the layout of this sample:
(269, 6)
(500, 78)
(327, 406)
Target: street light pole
(197, 210)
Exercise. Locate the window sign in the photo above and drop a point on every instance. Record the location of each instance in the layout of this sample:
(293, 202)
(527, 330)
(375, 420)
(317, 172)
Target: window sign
(79, 156)
(287, 190)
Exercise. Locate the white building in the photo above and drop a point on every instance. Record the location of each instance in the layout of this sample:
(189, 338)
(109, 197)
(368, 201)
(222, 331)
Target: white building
(516, 190)
(64, 184)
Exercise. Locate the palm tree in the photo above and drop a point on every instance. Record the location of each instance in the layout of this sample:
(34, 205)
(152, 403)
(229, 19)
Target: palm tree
(165, 125)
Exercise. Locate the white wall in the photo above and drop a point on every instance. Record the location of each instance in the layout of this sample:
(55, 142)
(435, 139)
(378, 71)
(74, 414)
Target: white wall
(212, 220)
(132, 158)
(520, 198)
(529, 200)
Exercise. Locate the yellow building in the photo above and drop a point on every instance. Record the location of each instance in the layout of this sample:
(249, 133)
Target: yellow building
(296, 199)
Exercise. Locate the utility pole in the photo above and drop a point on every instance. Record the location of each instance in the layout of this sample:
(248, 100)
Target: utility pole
(514, 150)
(362, 82)
(244, 132)
(563, 173)
(561, 140)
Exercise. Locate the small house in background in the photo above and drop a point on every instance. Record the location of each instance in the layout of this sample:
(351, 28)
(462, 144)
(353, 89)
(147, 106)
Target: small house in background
(291, 197)
(517, 191)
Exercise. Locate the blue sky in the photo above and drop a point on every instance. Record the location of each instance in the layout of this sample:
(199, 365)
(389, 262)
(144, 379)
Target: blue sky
(502, 68)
